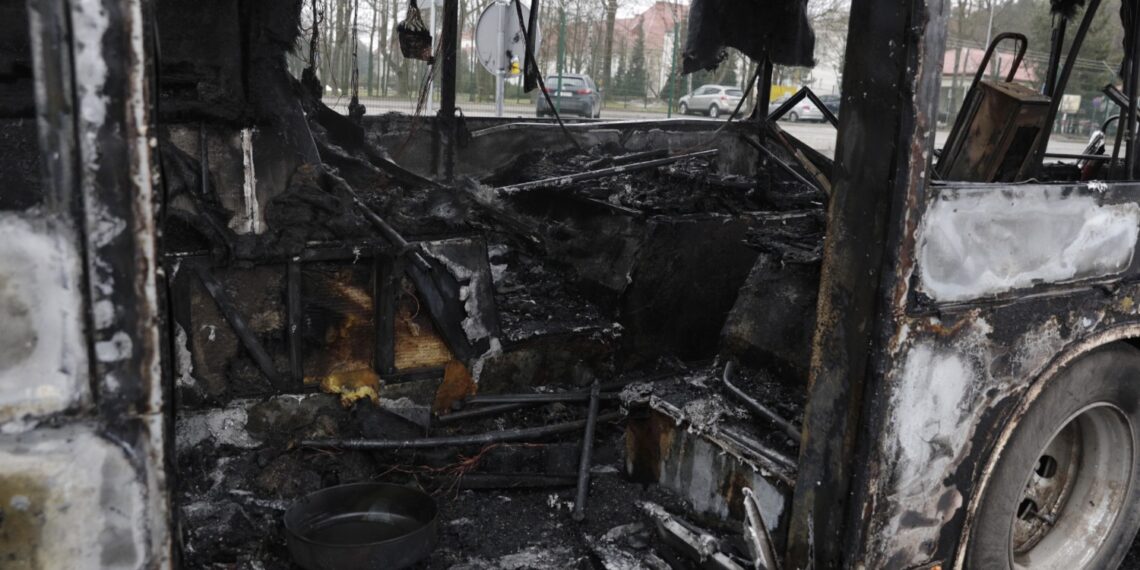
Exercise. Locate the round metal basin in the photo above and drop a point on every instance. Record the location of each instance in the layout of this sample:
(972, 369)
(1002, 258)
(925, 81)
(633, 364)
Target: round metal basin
(361, 526)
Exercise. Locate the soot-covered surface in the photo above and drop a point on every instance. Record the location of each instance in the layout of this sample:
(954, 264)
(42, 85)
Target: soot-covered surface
(240, 468)
(688, 186)
(629, 275)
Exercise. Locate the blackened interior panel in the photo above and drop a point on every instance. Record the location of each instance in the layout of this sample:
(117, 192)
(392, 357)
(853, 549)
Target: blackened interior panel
(20, 185)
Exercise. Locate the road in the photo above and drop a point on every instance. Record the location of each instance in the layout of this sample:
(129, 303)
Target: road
(821, 136)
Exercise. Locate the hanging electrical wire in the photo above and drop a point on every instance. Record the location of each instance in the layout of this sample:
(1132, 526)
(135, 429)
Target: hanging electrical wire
(421, 100)
(541, 84)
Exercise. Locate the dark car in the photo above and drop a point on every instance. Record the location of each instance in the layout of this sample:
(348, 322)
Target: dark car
(832, 103)
(573, 94)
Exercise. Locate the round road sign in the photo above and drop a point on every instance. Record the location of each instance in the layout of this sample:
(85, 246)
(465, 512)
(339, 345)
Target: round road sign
(499, 34)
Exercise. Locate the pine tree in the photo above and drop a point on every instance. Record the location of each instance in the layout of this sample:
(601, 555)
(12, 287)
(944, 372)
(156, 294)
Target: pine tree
(619, 88)
(635, 77)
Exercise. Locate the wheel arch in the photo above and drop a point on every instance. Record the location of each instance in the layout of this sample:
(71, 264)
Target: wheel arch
(1128, 333)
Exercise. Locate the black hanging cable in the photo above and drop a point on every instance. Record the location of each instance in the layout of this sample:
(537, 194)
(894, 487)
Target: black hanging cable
(541, 83)
(309, 77)
(355, 109)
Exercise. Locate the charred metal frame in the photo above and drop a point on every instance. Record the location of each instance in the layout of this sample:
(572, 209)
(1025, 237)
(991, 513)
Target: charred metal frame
(915, 389)
(101, 179)
(893, 61)
(799, 96)
(387, 269)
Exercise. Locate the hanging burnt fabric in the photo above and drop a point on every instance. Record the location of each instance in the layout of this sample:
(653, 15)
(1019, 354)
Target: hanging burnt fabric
(463, 135)
(355, 109)
(779, 28)
(415, 39)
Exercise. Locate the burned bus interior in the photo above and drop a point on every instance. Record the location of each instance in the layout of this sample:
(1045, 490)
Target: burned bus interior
(582, 344)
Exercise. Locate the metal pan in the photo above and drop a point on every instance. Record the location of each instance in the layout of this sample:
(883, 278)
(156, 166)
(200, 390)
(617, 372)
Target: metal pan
(361, 526)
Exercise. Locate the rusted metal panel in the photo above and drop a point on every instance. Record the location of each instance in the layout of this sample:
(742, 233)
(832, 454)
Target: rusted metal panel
(706, 467)
(960, 372)
(998, 135)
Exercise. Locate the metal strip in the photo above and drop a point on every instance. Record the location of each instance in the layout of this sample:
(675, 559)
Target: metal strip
(240, 327)
(293, 331)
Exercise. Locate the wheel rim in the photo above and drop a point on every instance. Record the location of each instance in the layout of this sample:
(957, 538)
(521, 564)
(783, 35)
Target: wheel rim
(1074, 492)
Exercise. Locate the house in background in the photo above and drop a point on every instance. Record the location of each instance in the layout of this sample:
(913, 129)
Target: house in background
(657, 23)
(959, 66)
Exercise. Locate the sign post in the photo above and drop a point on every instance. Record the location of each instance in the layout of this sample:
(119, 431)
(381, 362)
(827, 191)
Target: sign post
(499, 40)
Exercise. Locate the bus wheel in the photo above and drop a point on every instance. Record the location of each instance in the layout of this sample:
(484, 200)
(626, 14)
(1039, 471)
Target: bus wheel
(1063, 492)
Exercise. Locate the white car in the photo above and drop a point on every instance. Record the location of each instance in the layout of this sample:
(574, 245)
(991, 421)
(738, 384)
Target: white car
(804, 111)
(711, 100)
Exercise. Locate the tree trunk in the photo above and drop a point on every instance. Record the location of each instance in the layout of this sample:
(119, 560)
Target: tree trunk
(371, 44)
(608, 53)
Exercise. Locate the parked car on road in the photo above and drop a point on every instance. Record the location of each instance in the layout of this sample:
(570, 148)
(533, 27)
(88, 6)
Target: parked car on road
(711, 100)
(574, 95)
(804, 111)
(832, 103)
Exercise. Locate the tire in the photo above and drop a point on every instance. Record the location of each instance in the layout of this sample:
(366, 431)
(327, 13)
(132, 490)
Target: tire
(793, 117)
(684, 109)
(714, 111)
(1064, 488)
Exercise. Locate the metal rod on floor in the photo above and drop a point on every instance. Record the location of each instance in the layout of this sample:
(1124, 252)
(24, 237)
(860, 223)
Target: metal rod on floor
(587, 453)
(772, 156)
(758, 408)
(480, 412)
(513, 481)
(601, 173)
(535, 398)
(511, 435)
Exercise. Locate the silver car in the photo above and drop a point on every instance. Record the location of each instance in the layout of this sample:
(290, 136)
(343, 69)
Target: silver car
(711, 100)
(806, 110)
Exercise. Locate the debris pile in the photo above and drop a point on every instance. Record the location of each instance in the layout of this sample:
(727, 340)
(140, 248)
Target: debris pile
(546, 349)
